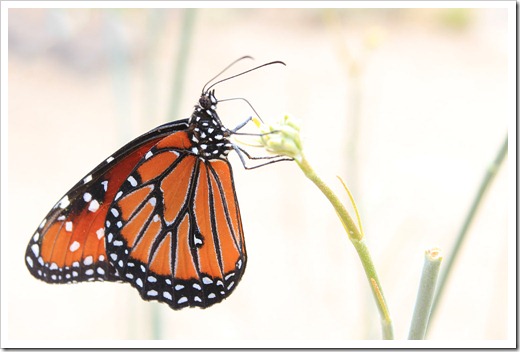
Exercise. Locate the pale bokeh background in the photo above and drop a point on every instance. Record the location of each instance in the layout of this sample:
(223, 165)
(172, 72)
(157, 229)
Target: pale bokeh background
(407, 105)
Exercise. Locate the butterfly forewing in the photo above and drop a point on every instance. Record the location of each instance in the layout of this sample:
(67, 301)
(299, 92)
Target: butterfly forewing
(69, 245)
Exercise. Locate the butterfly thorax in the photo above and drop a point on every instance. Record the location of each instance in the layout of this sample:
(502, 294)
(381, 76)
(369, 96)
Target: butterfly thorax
(209, 137)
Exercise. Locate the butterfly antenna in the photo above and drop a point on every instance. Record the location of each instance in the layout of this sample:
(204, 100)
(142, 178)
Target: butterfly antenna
(242, 73)
(224, 70)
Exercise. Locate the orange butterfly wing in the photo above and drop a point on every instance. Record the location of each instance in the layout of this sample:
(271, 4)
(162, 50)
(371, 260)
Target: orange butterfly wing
(69, 244)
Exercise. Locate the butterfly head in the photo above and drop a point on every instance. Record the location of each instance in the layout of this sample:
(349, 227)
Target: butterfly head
(208, 100)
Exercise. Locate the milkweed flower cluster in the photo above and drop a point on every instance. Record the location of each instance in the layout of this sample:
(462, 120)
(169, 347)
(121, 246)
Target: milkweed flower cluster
(282, 137)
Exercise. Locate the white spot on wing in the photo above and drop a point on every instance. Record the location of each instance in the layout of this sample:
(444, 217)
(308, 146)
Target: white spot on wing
(64, 202)
(148, 155)
(110, 159)
(100, 233)
(43, 223)
(167, 295)
(182, 300)
(87, 179)
(88, 260)
(74, 246)
(29, 261)
(87, 197)
(114, 212)
(132, 181)
(152, 293)
(105, 185)
(68, 226)
(93, 206)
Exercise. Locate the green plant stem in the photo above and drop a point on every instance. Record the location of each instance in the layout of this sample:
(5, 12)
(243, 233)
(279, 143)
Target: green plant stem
(356, 237)
(346, 219)
(423, 304)
(451, 258)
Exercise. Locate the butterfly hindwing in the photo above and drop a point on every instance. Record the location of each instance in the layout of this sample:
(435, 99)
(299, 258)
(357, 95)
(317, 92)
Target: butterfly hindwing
(174, 230)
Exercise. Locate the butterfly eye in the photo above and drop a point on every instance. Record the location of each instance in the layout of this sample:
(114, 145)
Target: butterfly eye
(205, 102)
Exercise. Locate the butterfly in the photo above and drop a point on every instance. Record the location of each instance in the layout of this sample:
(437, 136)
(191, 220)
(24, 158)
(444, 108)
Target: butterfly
(161, 213)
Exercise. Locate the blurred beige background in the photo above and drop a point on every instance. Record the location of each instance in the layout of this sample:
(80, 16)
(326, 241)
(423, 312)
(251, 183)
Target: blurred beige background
(407, 105)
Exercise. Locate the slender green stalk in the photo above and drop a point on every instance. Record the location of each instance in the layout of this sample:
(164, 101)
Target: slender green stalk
(347, 221)
(423, 304)
(452, 257)
(356, 237)
(286, 141)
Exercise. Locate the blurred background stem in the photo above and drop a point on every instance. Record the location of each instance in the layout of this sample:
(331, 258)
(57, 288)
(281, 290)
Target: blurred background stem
(183, 53)
(452, 257)
(425, 294)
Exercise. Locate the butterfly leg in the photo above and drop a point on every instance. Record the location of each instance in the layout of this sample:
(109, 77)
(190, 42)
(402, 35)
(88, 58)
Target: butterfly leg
(241, 125)
(271, 159)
